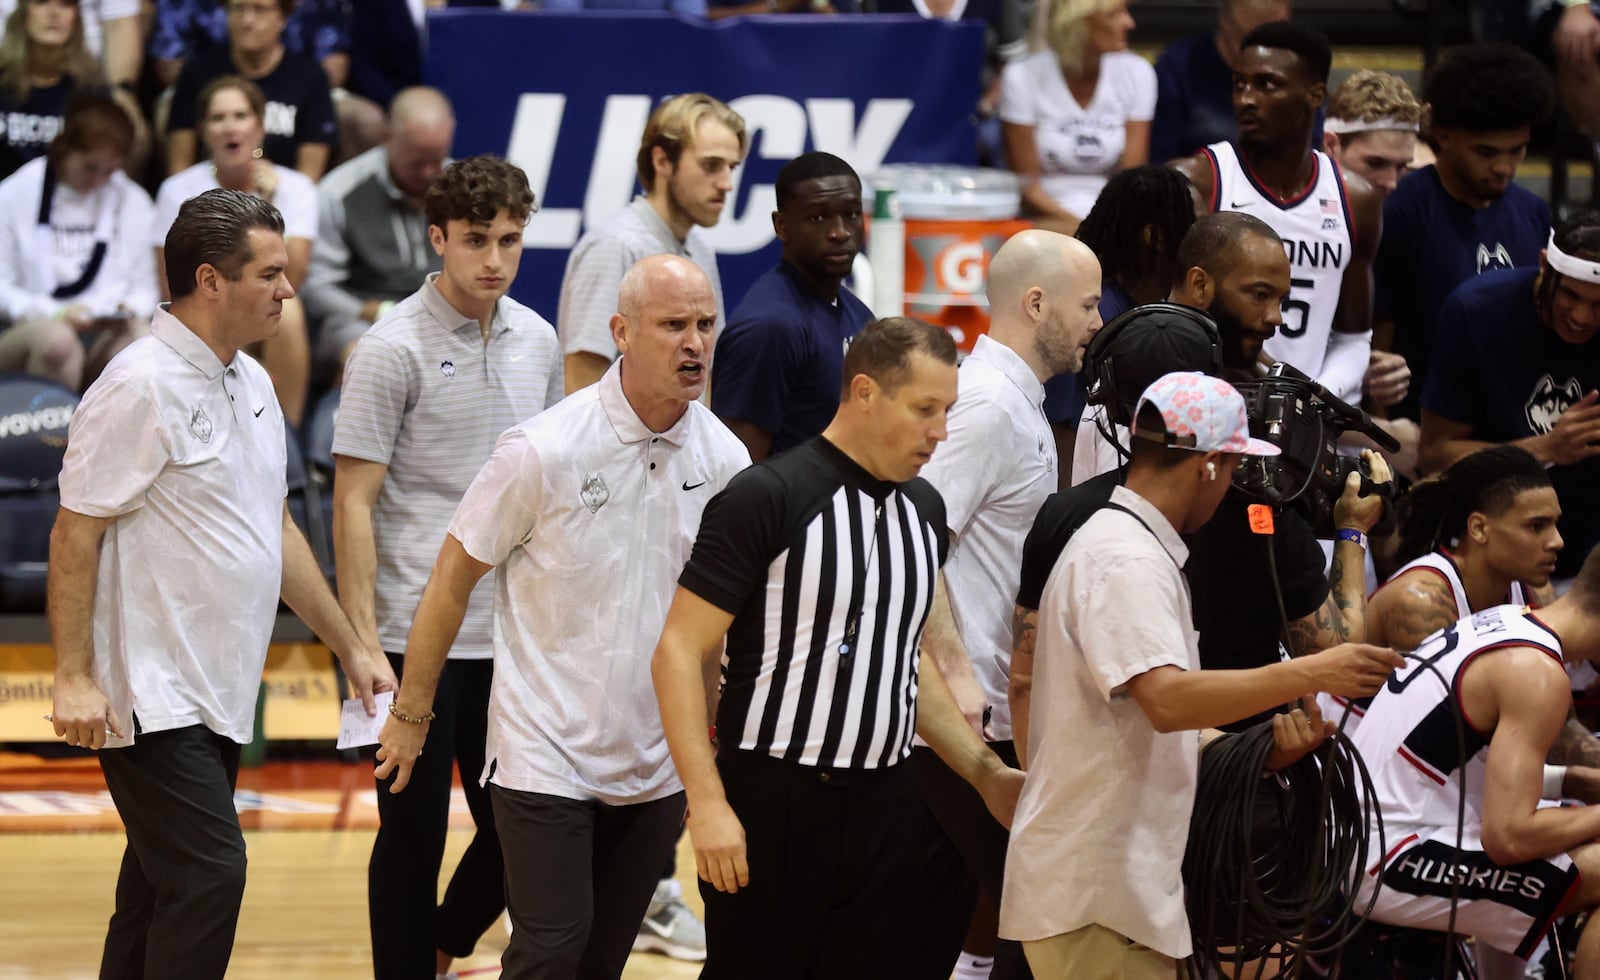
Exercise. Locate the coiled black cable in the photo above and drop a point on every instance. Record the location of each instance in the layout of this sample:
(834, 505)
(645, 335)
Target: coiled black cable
(1267, 864)
(1279, 850)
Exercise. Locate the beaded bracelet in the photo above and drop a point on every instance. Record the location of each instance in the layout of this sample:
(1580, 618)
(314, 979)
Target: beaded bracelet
(394, 709)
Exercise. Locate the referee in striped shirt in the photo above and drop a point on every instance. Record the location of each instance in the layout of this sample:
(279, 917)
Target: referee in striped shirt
(817, 567)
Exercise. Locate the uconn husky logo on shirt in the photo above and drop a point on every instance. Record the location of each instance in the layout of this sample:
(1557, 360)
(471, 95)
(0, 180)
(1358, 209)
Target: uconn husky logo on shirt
(1494, 258)
(1549, 400)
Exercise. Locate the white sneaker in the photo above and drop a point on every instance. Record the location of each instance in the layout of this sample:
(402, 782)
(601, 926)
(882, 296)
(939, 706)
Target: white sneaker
(670, 927)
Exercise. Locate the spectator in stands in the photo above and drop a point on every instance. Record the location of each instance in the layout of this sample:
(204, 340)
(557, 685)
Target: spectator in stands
(1523, 366)
(230, 112)
(115, 37)
(75, 265)
(778, 366)
(372, 233)
(43, 63)
(408, 441)
(1564, 35)
(1329, 220)
(298, 119)
(170, 552)
(386, 44)
(113, 34)
(1004, 42)
(1077, 112)
(319, 29)
(687, 155)
(1134, 229)
(1464, 215)
(1194, 80)
(586, 800)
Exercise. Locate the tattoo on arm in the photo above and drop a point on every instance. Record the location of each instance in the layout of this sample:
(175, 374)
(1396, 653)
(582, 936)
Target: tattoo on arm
(1423, 609)
(1322, 629)
(1575, 746)
(1024, 629)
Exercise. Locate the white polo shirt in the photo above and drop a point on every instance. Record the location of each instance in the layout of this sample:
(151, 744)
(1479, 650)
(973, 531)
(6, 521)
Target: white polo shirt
(589, 518)
(186, 455)
(1103, 819)
(994, 472)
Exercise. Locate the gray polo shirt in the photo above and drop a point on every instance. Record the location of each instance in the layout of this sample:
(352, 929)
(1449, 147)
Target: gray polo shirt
(598, 262)
(425, 396)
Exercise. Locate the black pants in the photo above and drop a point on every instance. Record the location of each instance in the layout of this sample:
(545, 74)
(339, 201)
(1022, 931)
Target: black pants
(831, 879)
(579, 875)
(962, 848)
(408, 922)
(182, 876)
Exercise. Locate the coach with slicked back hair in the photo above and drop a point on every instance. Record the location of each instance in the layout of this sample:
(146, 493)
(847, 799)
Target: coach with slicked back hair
(167, 560)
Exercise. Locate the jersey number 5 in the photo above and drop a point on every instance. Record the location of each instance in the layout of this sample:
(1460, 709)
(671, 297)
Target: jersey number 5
(1296, 311)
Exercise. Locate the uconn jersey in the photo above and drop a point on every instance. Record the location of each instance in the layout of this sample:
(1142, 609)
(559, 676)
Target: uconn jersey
(1419, 768)
(1409, 736)
(1318, 236)
(1442, 564)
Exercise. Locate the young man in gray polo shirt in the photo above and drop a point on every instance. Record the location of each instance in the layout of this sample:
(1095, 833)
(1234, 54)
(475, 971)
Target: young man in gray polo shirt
(686, 159)
(586, 515)
(427, 392)
(167, 560)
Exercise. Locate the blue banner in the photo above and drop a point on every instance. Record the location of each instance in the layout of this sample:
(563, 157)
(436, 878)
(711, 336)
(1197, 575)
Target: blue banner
(566, 96)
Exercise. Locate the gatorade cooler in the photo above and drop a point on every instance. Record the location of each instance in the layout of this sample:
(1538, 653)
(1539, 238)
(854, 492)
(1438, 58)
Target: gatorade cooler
(956, 218)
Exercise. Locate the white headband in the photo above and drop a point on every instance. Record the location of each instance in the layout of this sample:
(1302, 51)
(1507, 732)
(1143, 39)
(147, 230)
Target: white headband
(1570, 265)
(1342, 126)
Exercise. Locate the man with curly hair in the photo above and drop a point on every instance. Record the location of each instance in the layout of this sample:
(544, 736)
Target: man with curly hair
(1462, 216)
(428, 390)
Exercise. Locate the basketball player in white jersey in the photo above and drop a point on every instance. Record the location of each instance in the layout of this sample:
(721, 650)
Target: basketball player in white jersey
(1519, 866)
(1480, 534)
(1329, 220)
(1483, 533)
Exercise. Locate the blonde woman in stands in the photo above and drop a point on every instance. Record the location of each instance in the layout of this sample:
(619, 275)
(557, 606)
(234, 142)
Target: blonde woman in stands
(230, 111)
(1372, 126)
(1077, 111)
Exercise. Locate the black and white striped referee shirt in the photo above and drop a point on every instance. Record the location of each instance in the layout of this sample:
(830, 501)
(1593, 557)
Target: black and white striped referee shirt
(829, 574)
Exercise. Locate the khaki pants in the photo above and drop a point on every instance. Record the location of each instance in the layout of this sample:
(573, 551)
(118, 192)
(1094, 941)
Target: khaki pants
(1096, 953)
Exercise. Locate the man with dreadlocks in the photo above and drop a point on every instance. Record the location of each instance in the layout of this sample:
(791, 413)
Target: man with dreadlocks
(1133, 229)
(1521, 365)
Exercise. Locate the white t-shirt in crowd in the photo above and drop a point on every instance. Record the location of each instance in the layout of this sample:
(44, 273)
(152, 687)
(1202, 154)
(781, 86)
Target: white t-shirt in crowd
(186, 455)
(994, 472)
(588, 518)
(35, 260)
(1079, 147)
(295, 199)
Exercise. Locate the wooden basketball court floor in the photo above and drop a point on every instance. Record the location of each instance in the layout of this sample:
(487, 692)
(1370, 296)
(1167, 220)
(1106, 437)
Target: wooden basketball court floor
(309, 829)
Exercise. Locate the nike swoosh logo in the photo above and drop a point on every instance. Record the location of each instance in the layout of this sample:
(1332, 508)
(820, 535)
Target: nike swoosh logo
(263, 408)
(1241, 204)
(688, 486)
(517, 357)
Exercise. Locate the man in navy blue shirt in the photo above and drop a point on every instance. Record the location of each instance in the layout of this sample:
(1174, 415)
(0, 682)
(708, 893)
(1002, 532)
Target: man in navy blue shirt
(1462, 216)
(780, 363)
(1523, 366)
